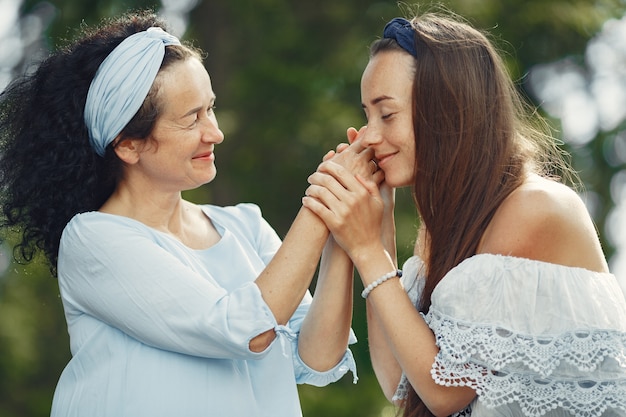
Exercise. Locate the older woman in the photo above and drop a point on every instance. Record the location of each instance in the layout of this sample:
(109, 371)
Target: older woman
(173, 309)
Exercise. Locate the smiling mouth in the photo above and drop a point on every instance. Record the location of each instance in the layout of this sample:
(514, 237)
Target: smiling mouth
(208, 155)
(383, 158)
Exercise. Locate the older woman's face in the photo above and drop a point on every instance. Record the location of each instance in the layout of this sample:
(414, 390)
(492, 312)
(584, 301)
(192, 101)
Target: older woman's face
(180, 152)
(386, 94)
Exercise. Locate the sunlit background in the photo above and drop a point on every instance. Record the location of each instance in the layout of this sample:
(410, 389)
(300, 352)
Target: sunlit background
(297, 64)
(586, 97)
(590, 97)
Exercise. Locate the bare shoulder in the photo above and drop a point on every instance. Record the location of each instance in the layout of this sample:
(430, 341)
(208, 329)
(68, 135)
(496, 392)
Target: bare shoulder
(547, 221)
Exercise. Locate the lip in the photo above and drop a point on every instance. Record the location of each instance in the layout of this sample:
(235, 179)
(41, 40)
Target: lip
(382, 160)
(207, 156)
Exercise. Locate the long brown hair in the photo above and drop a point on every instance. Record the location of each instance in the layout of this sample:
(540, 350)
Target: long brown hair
(474, 144)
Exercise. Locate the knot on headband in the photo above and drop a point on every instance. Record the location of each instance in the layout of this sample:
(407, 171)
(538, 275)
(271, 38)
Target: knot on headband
(402, 31)
(122, 83)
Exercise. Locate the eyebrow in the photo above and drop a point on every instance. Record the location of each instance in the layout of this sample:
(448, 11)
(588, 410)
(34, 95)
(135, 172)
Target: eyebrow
(378, 100)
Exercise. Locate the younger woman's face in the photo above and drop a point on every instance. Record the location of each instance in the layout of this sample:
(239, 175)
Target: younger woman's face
(387, 98)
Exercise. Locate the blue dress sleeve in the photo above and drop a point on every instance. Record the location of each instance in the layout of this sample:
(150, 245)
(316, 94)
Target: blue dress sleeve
(305, 374)
(264, 241)
(118, 272)
(143, 283)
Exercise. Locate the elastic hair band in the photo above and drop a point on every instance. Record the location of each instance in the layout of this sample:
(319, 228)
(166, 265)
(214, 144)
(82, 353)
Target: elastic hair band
(122, 83)
(386, 277)
(402, 31)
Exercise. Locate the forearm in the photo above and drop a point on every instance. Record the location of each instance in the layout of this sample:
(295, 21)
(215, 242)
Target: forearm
(288, 276)
(384, 363)
(326, 328)
(388, 225)
(410, 339)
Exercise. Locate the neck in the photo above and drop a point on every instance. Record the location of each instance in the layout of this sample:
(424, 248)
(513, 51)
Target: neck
(161, 211)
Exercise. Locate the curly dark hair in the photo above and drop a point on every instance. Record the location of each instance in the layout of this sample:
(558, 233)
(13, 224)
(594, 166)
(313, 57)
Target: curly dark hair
(48, 170)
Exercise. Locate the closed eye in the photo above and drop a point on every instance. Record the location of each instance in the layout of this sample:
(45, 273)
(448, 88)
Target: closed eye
(193, 123)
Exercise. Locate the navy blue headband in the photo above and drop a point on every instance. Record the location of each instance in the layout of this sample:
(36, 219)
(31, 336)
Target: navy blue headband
(402, 31)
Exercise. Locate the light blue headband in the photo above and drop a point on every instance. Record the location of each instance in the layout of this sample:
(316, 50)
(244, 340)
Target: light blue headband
(122, 83)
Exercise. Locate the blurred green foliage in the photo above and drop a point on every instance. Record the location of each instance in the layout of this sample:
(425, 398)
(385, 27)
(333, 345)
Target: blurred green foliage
(287, 77)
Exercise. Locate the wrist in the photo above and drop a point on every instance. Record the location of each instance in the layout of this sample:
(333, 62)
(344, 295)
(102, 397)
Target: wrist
(383, 278)
(365, 256)
(373, 264)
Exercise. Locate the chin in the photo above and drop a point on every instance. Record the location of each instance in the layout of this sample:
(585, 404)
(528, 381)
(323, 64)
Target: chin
(204, 181)
(211, 176)
(396, 183)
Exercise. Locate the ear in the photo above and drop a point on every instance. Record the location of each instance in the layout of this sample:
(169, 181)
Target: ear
(127, 150)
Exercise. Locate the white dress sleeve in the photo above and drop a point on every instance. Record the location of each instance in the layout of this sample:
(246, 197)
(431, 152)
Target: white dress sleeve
(532, 338)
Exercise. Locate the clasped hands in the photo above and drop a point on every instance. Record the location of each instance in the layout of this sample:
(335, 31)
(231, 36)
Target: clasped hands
(344, 193)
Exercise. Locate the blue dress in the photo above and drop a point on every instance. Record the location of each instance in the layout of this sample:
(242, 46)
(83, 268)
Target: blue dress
(159, 329)
(534, 339)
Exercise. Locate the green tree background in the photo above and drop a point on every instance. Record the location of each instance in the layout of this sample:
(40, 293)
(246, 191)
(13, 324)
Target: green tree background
(287, 76)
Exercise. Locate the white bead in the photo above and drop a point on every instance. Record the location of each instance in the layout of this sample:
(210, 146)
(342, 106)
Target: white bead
(389, 275)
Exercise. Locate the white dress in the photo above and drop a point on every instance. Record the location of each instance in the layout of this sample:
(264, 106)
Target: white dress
(532, 338)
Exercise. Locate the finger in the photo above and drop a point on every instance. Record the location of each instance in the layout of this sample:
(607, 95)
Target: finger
(321, 194)
(342, 147)
(352, 134)
(378, 177)
(322, 182)
(357, 146)
(317, 207)
(354, 137)
(370, 186)
(374, 165)
(327, 215)
(367, 152)
(332, 203)
(344, 177)
(328, 155)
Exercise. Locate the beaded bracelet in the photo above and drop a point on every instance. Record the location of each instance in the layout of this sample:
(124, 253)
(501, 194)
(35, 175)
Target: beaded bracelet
(389, 275)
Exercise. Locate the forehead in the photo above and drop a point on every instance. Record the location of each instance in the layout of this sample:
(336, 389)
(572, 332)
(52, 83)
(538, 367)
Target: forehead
(185, 80)
(388, 73)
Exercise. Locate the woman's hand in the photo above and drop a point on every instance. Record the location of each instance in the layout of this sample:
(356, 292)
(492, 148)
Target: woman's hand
(350, 205)
(351, 134)
(354, 156)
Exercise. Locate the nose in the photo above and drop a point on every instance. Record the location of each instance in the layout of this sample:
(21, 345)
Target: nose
(371, 136)
(211, 132)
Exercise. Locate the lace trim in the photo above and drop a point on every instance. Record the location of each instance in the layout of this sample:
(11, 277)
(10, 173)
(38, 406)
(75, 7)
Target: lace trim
(467, 412)
(585, 349)
(403, 390)
(481, 357)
